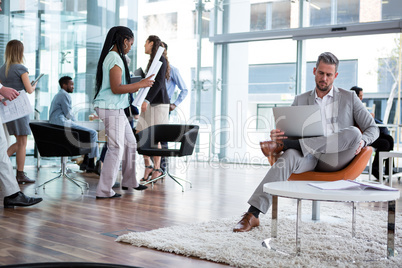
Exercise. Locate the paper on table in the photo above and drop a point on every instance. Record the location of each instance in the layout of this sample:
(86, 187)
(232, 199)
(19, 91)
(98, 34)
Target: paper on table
(16, 108)
(351, 185)
(153, 69)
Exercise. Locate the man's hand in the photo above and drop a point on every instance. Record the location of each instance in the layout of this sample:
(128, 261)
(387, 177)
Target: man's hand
(277, 134)
(172, 107)
(9, 93)
(144, 106)
(361, 145)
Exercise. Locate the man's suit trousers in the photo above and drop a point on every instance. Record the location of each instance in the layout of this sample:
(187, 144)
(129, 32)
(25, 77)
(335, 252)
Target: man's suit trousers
(8, 182)
(330, 153)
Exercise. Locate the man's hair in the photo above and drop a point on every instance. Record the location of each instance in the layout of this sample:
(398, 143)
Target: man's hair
(64, 80)
(328, 58)
(356, 89)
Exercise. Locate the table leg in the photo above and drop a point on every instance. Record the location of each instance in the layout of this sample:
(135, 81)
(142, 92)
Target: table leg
(380, 167)
(391, 229)
(298, 223)
(390, 162)
(353, 219)
(274, 223)
(316, 211)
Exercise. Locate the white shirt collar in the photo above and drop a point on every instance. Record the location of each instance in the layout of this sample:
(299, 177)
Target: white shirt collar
(330, 93)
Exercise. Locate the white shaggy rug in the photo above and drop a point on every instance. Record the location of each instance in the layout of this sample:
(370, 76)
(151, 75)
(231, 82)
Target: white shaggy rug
(323, 244)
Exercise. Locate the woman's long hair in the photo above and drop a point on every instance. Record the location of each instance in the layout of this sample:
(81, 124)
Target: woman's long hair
(115, 36)
(14, 54)
(157, 43)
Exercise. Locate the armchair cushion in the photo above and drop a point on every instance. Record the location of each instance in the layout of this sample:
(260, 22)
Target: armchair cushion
(350, 172)
(186, 135)
(54, 140)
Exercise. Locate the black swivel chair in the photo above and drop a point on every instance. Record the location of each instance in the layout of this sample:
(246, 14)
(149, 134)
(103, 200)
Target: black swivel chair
(148, 140)
(59, 141)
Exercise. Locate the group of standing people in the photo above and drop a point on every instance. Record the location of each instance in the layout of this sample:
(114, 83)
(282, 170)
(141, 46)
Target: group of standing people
(113, 96)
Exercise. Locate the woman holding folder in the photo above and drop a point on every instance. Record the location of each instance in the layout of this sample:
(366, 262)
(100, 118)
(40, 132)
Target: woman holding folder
(155, 108)
(111, 98)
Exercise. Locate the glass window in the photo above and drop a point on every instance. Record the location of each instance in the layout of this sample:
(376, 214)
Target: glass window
(76, 6)
(258, 17)
(332, 12)
(165, 23)
(272, 78)
(204, 25)
(205, 103)
(387, 74)
(320, 12)
(347, 11)
(391, 9)
(270, 16)
(271, 70)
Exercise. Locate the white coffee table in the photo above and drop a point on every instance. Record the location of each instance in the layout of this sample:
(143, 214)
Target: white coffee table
(300, 190)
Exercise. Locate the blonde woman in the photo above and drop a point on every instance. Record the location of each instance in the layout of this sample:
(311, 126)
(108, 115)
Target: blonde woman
(15, 75)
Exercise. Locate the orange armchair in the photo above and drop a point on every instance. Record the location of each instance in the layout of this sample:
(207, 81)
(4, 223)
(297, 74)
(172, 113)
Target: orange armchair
(350, 172)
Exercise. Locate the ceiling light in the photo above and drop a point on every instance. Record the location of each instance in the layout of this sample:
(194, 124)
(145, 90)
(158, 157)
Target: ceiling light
(315, 6)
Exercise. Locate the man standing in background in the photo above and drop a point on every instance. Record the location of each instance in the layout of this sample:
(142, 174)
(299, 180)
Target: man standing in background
(174, 80)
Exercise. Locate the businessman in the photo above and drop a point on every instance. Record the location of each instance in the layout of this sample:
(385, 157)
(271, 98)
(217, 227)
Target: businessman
(340, 111)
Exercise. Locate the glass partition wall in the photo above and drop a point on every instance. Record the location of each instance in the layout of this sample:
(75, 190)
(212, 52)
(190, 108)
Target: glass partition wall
(238, 58)
(62, 37)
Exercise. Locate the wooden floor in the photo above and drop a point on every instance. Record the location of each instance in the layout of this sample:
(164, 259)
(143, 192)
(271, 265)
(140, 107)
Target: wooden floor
(68, 226)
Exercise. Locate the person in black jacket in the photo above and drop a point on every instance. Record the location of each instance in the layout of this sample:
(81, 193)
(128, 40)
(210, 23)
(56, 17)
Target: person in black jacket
(155, 108)
(384, 143)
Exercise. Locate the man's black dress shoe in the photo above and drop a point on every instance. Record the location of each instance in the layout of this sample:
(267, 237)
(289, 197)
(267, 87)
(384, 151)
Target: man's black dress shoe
(19, 199)
(105, 197)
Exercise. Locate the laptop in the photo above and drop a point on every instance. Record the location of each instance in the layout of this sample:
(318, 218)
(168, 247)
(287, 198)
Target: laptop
(299, 121)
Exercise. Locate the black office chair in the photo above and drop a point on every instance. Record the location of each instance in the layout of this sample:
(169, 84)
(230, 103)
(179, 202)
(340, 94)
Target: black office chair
(59, 141)
(148, 140)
